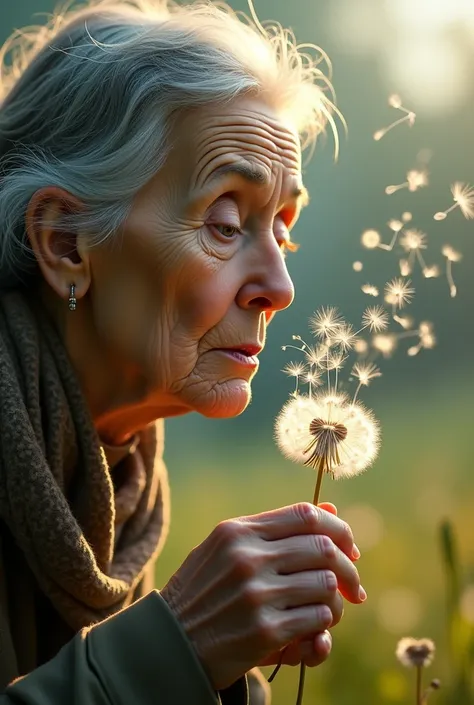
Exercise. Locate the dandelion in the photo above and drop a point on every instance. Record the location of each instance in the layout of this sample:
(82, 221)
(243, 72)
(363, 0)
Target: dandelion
(325, 321)
(418, 654)
(329, 433)
(369, 290)
(361, 347)
(416, 178)
(357, 266)
(463, 196)
(406, 216)
(395, 102)
(451, 255)
(398, 293)
(371, 239)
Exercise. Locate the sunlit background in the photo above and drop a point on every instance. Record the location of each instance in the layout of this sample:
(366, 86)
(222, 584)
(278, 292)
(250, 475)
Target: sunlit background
(422, 50)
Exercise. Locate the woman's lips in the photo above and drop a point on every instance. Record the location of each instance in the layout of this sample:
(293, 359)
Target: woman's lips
(244, 356)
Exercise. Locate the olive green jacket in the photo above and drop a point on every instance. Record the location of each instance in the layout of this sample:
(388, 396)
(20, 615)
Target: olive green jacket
(140, 656)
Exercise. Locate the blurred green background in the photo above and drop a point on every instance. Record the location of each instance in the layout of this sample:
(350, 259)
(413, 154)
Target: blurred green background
(423, 50)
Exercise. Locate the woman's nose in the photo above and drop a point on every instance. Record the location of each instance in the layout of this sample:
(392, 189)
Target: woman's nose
(269, 287)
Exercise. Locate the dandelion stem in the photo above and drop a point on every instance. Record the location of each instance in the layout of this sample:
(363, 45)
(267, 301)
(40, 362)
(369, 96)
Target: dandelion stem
(419, 694)
(299, 697)
(319, 480)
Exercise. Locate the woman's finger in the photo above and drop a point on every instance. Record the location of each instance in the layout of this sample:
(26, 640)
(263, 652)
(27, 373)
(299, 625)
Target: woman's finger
(299, 554)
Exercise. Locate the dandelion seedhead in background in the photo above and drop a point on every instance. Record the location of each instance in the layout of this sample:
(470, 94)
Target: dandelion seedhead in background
(418, 654)
(409, 117)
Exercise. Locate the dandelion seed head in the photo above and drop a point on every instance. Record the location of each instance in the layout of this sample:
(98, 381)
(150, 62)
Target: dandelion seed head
(375, 318)
(395, 225)
(313, 378)
(463, 195)
(406, 216)
(451, 254)
(413, 240)
(365, 372)
(326, 321)
(385, 343)
(415, 652)
(417, 178)
(357, 266)
(335, 361)
(328, 429)
(371, 239)
(369, 289)
(399, 291)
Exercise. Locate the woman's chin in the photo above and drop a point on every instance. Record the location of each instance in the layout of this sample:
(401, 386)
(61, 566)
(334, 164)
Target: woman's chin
(226, 400)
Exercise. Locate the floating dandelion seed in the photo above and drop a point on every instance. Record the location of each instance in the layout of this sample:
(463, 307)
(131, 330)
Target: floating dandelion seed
(451, 255)
(463, 196)
(398, 293)
(369, 290)
(418, 654)
(325, 321)
(375, 318)
(406, 216)
(405, 321)
(361, 347)
(395, 102)
(416, 178)
(431, 271)
(396, 227)
(412, 241)
(365, 372)
(406, 267)
(371, 239)
(357, 266)
(344, 337)
(294, 369)
(385, 343)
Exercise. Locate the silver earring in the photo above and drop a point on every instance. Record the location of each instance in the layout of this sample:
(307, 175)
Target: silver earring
(72, 298)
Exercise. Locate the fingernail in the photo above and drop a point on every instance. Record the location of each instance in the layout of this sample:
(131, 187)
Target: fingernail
(355, 552)
(362, 594)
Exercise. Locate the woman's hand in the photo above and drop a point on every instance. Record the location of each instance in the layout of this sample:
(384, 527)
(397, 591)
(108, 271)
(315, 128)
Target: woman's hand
(261, 582)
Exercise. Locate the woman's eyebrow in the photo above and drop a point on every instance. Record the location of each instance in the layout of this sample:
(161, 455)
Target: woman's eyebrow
(254, 174)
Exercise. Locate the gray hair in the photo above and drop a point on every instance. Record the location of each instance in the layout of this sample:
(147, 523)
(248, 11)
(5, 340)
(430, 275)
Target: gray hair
(87, 103)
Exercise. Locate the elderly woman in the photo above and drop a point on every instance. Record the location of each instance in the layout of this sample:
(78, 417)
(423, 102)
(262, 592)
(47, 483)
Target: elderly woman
(150, 175)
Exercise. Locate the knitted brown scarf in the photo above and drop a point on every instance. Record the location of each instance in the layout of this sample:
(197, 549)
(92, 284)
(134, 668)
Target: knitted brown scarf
(57, 493)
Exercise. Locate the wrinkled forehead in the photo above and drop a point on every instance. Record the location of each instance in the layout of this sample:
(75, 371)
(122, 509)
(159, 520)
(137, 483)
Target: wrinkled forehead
(244, 132)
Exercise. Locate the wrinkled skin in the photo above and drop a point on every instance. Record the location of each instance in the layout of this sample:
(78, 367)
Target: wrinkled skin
(199, 267)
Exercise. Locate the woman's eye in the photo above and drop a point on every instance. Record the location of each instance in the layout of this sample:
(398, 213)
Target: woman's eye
(227, 231)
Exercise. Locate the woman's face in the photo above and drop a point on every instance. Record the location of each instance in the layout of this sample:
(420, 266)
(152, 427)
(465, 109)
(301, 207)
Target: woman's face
(199, 271)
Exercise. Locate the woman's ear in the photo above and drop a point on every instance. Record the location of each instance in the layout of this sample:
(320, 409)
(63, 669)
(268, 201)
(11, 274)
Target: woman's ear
(62, 257)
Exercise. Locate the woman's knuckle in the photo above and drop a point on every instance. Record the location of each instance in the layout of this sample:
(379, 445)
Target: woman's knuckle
(324, 615)
(324, 545)
(241, 560)
(267, 630)
(347, 532)
(329, 580)
(308, 513)
(254, 593)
